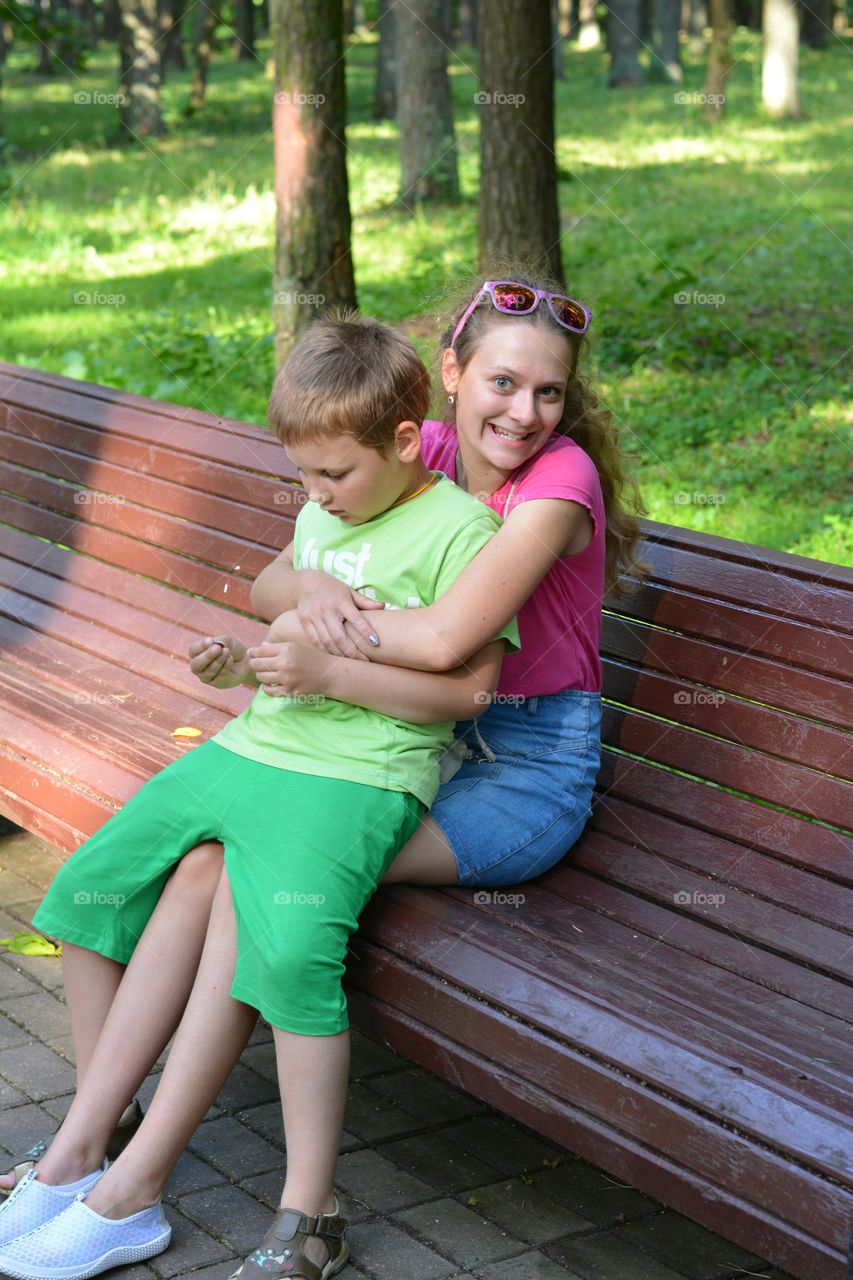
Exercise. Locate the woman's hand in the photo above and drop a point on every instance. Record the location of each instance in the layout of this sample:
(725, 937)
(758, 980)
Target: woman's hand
(327, 607)
(287, 670)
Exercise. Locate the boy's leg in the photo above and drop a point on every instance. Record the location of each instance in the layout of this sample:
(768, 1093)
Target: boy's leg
(210, 1039)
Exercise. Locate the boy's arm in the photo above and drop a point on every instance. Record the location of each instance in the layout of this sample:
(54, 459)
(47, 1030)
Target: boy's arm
(289, 665)
(222, 662)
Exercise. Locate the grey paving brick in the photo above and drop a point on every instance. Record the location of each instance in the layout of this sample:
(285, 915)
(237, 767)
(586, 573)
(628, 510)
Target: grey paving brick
(519, 1208)
(11, 1033)
(268, 1187)
(388, 1253)
(505, 1145)
(593, 1194)
(12, 982)
(370, 1117)
(266, 1121)
(230, 1214)
(527, 1266)
(22, 1127)
(13, 888)
(36, 1071)
(10, 1096)
(261, 1058)
(605, 1255)
(234, 1149)
(370, 1056)
(246, 1088)
(687, 1247)
(466, 1237)
(438, 1160)
(46, 971)
(42, 1014)
(378, 1183)
(425, 1096)
(191, 1174)
(220, 1271)
(191, 1247)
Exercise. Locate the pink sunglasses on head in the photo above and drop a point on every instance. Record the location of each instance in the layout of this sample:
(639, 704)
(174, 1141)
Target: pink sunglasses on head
(521, 300)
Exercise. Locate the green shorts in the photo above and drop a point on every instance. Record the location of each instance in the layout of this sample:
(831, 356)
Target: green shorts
(304, 854)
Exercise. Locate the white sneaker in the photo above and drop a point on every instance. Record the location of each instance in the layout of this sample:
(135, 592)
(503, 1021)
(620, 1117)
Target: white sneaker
(33, 1202)
(79, 1243)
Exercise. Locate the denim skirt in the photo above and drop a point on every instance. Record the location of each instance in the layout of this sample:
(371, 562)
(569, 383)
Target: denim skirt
(523, 793)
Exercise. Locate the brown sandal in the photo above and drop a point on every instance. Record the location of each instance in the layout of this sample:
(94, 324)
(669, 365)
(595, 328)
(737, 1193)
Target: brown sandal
(280, 1252)
(131, 1119)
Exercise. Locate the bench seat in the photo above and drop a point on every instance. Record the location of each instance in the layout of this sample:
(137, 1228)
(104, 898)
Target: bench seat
(673, 1001)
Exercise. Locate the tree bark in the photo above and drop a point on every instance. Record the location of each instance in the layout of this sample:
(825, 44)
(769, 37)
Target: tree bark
(624, 21)
(468, 22)
(171, 13)
(694, 20)
(719, 59)
(140, 114)
(206, 22)
(519, 215)
(557, 50)
(313, 259)
(666, 64)
(424, 108)
(111, 20)
(815, 22)
(589, 33)
(385, 94)
(779, 69)
(244, 31)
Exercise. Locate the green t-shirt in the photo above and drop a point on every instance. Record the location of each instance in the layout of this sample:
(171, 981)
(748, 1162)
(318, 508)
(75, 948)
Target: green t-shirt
(408, 556)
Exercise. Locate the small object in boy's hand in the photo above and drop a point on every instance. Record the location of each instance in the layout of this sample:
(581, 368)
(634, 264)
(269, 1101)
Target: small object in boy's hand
(186, 731)
(31, 944)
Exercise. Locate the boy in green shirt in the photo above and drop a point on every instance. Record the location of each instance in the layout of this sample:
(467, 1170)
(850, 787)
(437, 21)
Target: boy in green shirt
(312, 799)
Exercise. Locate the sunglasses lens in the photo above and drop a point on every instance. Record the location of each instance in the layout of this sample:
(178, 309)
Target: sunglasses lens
(569, 313)
(514, 298)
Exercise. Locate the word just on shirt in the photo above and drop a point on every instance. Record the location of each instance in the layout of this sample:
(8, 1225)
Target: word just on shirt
(348, 567)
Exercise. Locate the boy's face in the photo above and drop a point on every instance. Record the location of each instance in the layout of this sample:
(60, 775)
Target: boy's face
(350, 480)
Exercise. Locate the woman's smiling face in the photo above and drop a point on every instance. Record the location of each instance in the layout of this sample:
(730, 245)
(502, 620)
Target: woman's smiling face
(511, 393)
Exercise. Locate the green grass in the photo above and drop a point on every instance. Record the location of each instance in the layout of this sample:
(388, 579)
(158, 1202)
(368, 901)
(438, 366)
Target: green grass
(734, 403)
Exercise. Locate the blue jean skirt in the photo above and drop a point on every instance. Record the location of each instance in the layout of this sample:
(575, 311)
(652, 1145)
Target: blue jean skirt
(523, 793)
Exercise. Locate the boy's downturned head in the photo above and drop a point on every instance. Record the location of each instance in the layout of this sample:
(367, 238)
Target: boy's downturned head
(349, 375)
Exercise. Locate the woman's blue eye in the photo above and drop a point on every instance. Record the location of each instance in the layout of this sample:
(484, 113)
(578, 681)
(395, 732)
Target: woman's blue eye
(502, 379)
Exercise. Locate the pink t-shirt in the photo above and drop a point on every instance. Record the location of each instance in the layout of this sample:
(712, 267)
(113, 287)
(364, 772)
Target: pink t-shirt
(560, 625)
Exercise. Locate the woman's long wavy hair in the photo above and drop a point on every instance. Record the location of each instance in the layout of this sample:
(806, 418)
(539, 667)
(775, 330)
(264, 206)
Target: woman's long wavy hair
(585, 420)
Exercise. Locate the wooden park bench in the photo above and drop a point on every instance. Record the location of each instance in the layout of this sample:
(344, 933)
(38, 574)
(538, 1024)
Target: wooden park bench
(672, 1002)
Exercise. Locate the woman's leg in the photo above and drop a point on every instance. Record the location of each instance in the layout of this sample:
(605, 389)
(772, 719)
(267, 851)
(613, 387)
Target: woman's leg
(143, 1014)
(425, 859)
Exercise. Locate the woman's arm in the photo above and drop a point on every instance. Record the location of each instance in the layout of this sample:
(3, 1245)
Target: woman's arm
(289, 665)
(324, 602)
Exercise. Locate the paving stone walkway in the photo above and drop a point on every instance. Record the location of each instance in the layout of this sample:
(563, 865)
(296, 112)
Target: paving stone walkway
(435, 1185)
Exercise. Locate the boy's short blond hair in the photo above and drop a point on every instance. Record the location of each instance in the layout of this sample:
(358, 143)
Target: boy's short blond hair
(349, 375)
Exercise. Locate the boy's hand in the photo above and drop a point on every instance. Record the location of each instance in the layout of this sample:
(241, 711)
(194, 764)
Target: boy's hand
(326, 605)
(221, 661)
(286, 670)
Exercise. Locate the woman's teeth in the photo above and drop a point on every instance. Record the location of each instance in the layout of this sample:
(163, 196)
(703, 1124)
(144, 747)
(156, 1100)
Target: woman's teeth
(508, 435)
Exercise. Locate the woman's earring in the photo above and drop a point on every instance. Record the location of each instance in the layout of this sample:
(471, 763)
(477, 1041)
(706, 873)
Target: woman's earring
(451, 400)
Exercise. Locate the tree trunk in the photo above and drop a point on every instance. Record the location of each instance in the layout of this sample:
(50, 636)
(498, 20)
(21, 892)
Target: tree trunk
(815, 22)
(694, 20)
(666, 63)
(519, 216)
(468, 22)
(385, 95)
(111, 20)
(313, 260)
(172, 42)
(4, 159)
(557, 50)
(206, 22)
(424, 108)
(624, 20)
(589, 33)
(779, 89)
(244, 31)
(719, 59)
(140, 115)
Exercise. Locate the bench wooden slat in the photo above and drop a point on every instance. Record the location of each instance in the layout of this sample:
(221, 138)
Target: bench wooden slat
(778, 832)
(715, 667)
(218, 584)
(483, 1071)
(748, 723)
(779, 782)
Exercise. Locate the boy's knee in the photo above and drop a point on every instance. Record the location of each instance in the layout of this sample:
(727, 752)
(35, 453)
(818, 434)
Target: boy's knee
(200, 868)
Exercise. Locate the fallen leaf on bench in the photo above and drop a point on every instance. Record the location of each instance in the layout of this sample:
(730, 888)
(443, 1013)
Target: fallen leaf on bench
(31, 944)
(186, 731)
